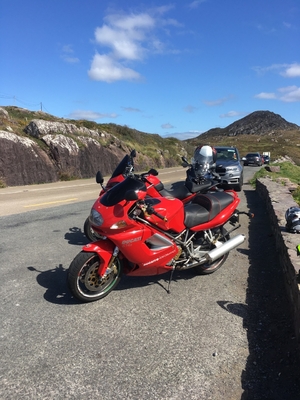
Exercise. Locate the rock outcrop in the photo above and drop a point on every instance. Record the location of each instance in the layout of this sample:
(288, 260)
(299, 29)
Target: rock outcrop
(55, 150)
(23, 162)
(81, 158)
(39, 127)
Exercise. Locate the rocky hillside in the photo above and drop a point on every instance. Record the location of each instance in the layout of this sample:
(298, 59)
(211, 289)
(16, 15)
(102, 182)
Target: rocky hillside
(36, 147)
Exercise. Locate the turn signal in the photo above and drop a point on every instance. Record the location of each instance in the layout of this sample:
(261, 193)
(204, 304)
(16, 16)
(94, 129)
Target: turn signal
(119, 225)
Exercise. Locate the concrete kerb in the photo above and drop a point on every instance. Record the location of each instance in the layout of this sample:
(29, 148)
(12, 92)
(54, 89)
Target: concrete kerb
(278, 199)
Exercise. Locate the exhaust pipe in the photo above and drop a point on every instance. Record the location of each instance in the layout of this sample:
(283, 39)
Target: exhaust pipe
(218, 252)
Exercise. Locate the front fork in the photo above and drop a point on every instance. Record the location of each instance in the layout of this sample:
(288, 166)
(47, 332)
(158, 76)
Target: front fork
(101, 271)
(106, 251)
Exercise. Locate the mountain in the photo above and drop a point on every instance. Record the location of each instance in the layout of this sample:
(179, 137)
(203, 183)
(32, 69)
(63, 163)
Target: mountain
(259, 131)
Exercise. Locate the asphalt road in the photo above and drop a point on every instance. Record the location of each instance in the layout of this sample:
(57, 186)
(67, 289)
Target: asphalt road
(19, 199)
(224, 336)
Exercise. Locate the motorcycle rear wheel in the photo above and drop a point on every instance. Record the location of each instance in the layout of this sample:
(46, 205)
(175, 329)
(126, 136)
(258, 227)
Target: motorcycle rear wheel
(83, 279)
(206, 269)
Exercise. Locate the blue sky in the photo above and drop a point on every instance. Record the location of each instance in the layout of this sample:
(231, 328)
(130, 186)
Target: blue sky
(173, 68)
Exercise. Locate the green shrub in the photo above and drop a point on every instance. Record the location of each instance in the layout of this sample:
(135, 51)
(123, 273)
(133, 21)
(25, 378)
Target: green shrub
(287, 170)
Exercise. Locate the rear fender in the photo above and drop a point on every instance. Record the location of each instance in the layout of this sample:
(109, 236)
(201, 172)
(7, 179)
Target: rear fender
(104, 249)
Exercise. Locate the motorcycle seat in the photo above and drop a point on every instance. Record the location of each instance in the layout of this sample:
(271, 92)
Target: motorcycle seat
(204, 207)
(194, 214)
(179, 191)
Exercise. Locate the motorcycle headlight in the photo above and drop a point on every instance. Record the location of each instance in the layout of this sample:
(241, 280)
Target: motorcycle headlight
(96, 218)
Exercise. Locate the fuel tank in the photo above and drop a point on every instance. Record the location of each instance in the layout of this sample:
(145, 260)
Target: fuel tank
(173, 211)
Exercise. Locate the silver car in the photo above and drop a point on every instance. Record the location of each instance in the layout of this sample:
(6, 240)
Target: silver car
(229, 167)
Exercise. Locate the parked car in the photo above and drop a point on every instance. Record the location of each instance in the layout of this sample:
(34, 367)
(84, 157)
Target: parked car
(229, 167)
(253, 159)
(266, 159)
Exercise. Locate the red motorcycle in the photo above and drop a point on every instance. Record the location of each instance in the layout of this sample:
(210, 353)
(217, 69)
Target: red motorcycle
(143, 236)
(184, 190)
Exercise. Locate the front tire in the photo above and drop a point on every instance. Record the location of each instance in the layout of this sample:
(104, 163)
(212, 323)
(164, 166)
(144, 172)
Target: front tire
(83, 279)
(206, 269)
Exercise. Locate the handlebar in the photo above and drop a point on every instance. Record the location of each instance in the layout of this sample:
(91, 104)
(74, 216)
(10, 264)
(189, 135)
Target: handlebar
(150, 211)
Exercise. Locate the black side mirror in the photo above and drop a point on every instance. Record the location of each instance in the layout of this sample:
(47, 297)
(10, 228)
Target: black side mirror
(185, 163)
(184, 159)
(153, 172)
(99, 178)
(133, 153)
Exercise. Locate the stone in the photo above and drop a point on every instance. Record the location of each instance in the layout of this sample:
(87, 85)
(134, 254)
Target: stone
(23, 162)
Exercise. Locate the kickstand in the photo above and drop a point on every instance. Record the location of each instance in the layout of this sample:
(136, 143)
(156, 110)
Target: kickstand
(171, 276)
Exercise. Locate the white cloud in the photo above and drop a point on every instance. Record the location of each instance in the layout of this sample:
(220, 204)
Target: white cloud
(90, 115)
(292, 71)
(274, 67)
(105, 68)
(125, 35)
(264, 95)
(195, 4)
(288, 94)
(128, 38)
(286, 70)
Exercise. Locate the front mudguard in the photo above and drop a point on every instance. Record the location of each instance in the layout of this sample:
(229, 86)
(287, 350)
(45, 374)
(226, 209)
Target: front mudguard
(104, 249)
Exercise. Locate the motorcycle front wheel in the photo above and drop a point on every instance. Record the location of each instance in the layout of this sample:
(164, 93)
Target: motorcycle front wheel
(205, 269)
(89, 231)
(83, 279)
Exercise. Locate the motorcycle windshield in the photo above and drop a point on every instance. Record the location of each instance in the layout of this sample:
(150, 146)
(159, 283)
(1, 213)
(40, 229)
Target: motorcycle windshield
(123, 164)
(118, 192)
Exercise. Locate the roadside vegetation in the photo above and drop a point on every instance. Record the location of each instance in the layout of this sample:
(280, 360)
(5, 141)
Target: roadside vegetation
(288, 171)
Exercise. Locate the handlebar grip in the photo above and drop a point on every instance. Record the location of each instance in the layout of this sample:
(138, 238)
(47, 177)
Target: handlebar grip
(160, 216)
(150, 210)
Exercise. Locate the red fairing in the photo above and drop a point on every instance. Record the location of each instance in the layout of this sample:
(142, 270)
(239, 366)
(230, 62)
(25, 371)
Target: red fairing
(104, 248)
(172, 209)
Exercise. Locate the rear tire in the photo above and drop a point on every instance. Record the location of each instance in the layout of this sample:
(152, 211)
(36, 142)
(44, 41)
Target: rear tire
(83, 279)
(206, 269)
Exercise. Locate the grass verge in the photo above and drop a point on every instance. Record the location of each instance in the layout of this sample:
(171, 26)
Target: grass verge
(288, 170)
